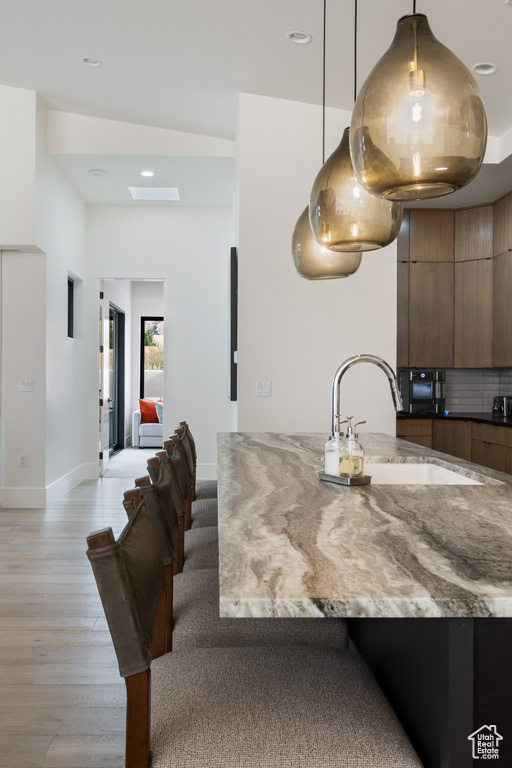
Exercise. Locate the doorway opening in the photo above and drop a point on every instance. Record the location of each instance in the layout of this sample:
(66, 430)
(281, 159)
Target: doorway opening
(123, 303)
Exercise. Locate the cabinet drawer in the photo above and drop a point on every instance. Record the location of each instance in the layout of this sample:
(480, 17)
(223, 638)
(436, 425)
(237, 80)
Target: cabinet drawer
(488, 433)
(418, 427)
(424, 440)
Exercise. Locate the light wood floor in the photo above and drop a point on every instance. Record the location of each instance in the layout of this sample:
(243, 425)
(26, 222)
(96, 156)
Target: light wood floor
(61, 698)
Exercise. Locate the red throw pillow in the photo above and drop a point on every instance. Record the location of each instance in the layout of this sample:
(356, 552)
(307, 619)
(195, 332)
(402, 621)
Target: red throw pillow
(148, 413)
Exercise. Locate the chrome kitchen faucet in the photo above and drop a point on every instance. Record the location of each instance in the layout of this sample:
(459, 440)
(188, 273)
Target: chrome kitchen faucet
(336, 383)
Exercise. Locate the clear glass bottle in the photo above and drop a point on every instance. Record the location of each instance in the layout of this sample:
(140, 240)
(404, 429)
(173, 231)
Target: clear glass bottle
(333, 448)
(351, 453)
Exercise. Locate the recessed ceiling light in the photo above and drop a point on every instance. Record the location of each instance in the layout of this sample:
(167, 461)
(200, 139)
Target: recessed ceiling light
(90, 61)
(154, 193)
(484, 68)
(147, 173)
(301, 38)
(98, 172)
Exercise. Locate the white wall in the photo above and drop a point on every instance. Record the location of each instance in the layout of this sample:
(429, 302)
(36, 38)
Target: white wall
(294, 332)
(48, 219)
(17, 162)
(187, 248)
(23, 417)
(60, 231)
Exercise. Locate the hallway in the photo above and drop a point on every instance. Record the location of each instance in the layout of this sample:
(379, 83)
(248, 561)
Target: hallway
(61, 697)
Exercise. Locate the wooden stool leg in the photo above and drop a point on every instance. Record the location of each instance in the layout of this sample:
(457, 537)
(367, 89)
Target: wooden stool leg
(138, 719)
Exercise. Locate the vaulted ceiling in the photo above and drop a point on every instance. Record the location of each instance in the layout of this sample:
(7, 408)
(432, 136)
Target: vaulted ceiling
(179, 65)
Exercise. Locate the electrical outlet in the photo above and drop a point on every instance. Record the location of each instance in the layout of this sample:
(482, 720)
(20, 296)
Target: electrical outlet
(25, 385)
(22, 460)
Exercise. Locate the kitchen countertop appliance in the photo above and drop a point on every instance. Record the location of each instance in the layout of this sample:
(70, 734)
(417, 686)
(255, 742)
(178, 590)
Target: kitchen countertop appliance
(423, 391)
(502, 404)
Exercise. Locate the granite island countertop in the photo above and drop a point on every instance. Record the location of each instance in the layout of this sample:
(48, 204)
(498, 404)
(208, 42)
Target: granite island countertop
(293, 545)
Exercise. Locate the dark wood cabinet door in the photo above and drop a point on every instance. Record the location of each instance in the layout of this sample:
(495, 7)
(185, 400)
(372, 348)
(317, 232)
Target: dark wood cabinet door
(503, 225)
(502, 310)
(402, 241)
(431, 302)
(490, 455)
(474, 233)
(402, 319)
(473, 314)
(453, 437)
(431, 235)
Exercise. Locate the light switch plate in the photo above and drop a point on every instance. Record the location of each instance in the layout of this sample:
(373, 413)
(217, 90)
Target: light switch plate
(263, 389)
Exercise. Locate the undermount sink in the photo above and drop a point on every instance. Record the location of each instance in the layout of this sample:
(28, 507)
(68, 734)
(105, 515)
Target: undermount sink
(415, 474)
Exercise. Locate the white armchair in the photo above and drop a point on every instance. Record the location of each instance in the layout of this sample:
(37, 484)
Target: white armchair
(146, 434)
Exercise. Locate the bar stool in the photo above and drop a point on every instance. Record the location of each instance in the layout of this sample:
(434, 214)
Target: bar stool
(236, 707)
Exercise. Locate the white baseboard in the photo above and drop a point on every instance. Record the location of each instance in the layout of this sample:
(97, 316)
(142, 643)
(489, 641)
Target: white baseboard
(206, 471)
(92, 471)
(23, 498)
(38, 498)
(65, 483)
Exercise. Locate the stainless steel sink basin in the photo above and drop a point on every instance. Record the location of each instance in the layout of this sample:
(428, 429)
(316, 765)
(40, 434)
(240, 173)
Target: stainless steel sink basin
(415, 474)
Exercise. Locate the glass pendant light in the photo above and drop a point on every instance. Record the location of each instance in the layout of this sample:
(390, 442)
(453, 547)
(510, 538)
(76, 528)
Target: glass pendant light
(343, 215)
(313, 261)
(419, 128)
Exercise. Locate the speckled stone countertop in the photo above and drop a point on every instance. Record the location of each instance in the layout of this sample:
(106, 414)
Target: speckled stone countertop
(293, 545)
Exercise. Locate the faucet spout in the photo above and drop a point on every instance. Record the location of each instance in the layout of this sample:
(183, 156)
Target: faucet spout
(336, 383)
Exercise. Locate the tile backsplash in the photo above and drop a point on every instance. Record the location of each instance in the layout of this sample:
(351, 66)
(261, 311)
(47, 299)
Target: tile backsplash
(471, 390)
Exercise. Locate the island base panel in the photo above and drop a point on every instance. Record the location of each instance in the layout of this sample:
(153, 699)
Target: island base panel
(445, 679)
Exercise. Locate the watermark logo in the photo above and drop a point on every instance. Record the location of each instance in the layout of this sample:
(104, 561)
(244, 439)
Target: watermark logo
(486, 743)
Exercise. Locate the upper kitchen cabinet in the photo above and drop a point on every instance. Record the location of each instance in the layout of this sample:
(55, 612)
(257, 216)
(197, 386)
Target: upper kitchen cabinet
(431, 297)
(474, 233)
(502, 310)
(473, 314)
(503, 225)
(425, 290)
(431, 235)
(402, 241)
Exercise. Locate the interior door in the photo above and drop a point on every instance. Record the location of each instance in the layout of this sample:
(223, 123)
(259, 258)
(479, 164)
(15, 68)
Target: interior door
(104, 376)
(116, 363)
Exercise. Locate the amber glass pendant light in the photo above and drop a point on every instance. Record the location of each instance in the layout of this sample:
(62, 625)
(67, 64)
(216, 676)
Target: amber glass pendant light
(343, 215)
(419, 128)
(312, 260)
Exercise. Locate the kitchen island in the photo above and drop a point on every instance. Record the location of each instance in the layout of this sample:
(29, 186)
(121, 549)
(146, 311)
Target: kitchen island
(437, 558)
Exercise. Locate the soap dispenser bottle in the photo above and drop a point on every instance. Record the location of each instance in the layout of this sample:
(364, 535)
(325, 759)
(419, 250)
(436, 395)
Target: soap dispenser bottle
(352, 453)
(333, 449)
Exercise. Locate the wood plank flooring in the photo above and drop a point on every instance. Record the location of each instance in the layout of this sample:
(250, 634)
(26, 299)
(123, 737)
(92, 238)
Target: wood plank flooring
(62, 701)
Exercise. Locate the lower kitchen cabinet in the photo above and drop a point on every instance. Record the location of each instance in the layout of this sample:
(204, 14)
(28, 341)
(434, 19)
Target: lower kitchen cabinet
(417, 431)
(453, 437)
(487, 444)
(491, 446)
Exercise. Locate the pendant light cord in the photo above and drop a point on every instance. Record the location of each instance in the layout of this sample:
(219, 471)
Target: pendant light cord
(414, 6)
(323, 88)
(355, 51)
